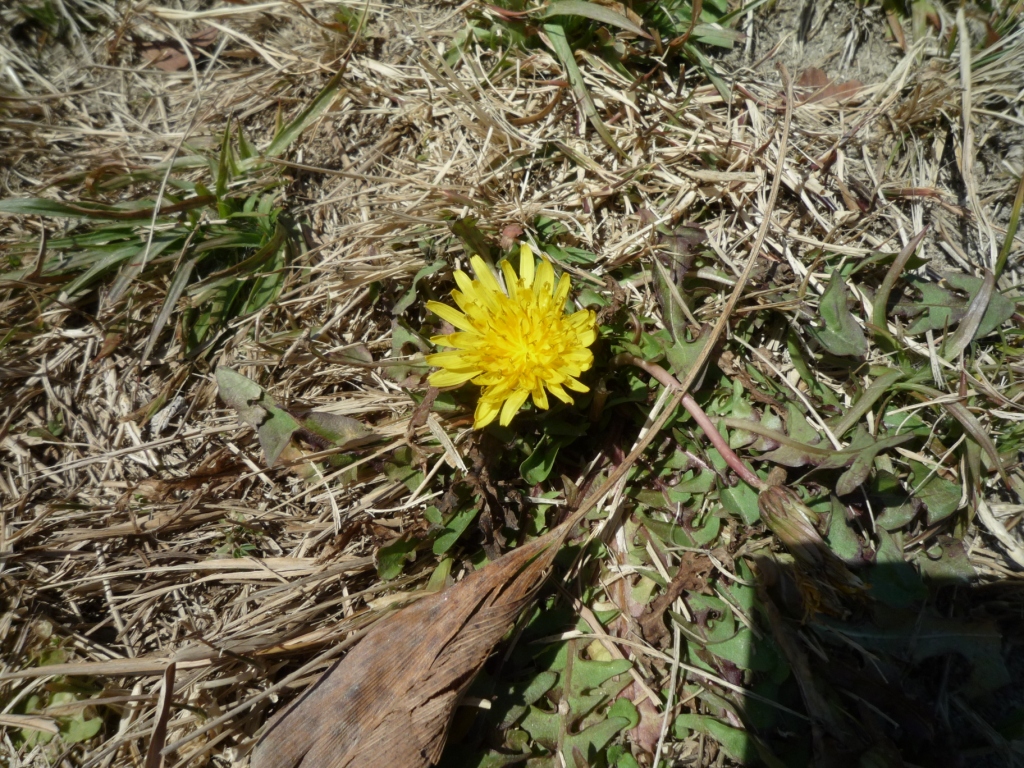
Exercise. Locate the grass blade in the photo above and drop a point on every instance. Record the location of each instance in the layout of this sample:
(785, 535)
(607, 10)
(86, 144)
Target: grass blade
(560, 44)
(968, 327)
(878, 388)
(895, 270)
(178, 284)
(37, 206)
(1011, 228)
(291, 131)
(598, 13)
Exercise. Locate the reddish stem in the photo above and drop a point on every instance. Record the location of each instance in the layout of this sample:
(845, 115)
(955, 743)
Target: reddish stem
(669, 381)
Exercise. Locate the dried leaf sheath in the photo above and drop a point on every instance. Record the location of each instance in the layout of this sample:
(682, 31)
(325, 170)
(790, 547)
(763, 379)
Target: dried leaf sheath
(390, 700)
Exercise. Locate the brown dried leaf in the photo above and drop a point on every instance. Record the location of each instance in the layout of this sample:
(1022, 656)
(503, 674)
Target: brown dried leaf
(968, 327)
(647, 732)
(815, 87)
(509, 235)
(692, 575)
(390, 700)
(168, 55)
(163, 714)
(167, 58)
(204, 38)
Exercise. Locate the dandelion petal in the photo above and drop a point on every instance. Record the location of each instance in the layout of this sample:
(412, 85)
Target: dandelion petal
(486, 412)
(484, 275)
(450, 314)
(446, 378)
(515, 343)
(512, 406)
(526, 264)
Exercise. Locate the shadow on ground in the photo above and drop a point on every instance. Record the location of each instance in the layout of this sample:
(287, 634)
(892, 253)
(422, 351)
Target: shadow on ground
(914, 673)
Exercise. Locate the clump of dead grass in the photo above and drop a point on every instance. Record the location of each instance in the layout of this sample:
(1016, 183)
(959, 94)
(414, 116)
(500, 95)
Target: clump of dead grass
(129, 544)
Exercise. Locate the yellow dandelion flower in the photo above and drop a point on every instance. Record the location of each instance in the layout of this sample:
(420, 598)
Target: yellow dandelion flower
(514, 343)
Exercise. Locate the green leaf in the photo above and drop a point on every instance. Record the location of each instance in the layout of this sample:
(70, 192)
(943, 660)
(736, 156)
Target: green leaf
(40, 206)
(939, 308)
(128, 272)
(746, 651)
(893, 580)
(683, 355)
(457, 525)
(592, 740)
(473, 240)
(735, 743)
(945, 561)
(859, 456)
(841, 538)
(712, 34)
(267, 285)
(917, 636)
(841, 334)
(899, 510)
(402, 337)
(512, 700)
(672, 303)
(131, 251)
(439, 579)
(337, 429)
(541, 725)
(537, 466)
(941, 496)
(879, 387)
(806, 437)
(971, 321)
(625, 708)
(800, 363)
(668, 533)
(695, 54)
(741, 500)
(898, 267)
(1000, 309)
(705, 534)
(273, 426)
(179, 281)
(570, 255)
(391, 559)
(588, 675)
(77, 729)
(410, 296)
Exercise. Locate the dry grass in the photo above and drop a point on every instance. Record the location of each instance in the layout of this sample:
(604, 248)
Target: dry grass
(128, 542)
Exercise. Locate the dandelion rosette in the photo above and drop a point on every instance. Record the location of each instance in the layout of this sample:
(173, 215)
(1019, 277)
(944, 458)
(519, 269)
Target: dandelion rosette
(515, 342)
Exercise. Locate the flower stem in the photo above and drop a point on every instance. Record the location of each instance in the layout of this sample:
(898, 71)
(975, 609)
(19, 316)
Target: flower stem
(669, 381)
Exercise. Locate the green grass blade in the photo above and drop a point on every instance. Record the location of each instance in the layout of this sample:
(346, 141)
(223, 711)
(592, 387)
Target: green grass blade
(1011, 229)
(594, 12)
(878, 319)
(290, 131)
(871, 395)
(133, 268)
(37, 206)
(174, 291)
(105, 263)
(971, 320)
(564, 53)
(709, 69)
